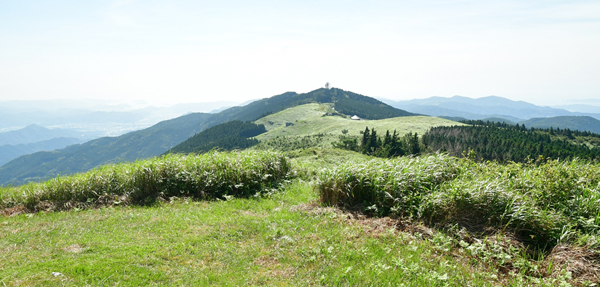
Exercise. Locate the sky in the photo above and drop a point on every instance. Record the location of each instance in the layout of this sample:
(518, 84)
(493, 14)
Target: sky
(166, 52)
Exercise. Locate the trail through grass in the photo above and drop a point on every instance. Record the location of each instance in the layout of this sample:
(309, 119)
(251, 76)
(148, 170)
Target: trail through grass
(268, 241)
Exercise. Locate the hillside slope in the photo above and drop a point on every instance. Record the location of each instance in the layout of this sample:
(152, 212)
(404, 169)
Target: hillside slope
(313, 124)
(343, 101)
(10, 152)
(77, 158)
(161, 137)
(310, 126)
(227, 136)
(35, 133)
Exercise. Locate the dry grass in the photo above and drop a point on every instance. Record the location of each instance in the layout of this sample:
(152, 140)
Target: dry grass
(581, 262)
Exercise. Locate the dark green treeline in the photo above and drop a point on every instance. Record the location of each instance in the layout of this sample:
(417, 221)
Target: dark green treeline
(391, 145)
(502, 142)
(227, 136)
(480, 141)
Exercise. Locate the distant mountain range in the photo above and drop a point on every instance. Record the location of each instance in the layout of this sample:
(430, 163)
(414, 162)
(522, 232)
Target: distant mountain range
(583, 123)
(481, 108)
(34, 138)
(10, 152)
(159, 138)
(94, 118)
(35, 133)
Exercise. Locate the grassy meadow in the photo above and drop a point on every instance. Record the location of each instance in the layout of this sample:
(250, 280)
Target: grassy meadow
(311, 120)
(281, 240)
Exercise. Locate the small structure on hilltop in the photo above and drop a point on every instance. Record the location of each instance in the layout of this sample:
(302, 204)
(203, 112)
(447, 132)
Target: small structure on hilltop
(355, 117)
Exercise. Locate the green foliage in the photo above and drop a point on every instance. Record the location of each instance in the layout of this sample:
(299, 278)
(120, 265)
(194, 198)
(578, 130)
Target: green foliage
(294, 143)
(543, 204)
(371, 144)
(227, 136)
(211, 175)
(385, 186)
(502, 142)
(273, 241)
(347, 143)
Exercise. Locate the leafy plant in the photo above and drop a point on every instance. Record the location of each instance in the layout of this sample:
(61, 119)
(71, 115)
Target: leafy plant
(211, 175)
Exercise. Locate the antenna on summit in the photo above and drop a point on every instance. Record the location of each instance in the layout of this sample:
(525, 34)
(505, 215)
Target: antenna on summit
(327, 85)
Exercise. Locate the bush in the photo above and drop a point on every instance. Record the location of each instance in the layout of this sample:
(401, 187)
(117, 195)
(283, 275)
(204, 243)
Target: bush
(211, 175)
(386, 186)
(543, 204)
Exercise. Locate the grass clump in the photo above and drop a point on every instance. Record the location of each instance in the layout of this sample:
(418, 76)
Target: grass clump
(385, 187)
(542, 204)
(536, 221)
(206, 176)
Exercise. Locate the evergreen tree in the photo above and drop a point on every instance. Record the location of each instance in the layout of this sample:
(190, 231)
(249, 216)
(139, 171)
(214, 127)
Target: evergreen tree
(364, 143)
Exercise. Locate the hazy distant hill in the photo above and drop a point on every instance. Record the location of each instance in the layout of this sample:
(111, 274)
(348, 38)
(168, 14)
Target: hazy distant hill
(94, 118)
(486, 107)
(593, 107)
(128, 147)
(161, 137)
(10, 152)
(35, 133)
(499, 120)
(574, 123)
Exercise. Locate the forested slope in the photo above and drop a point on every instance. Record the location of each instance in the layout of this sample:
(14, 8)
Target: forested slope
(226, 136)
(502, 142)
(129, 147)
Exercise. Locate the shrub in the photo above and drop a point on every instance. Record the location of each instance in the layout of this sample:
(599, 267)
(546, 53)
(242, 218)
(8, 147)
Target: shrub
(389, 186)
(543, 204)
(211, 175)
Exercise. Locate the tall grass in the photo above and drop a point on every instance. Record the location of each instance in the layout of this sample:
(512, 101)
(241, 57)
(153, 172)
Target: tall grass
(386, 186)
(211, 175)
(543, 204)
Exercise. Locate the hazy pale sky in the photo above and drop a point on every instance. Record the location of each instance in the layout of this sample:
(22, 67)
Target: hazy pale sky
(545, 52)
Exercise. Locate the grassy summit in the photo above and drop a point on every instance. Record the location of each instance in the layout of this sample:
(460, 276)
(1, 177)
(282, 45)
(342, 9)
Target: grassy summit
(313, 119)
(303, 122)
